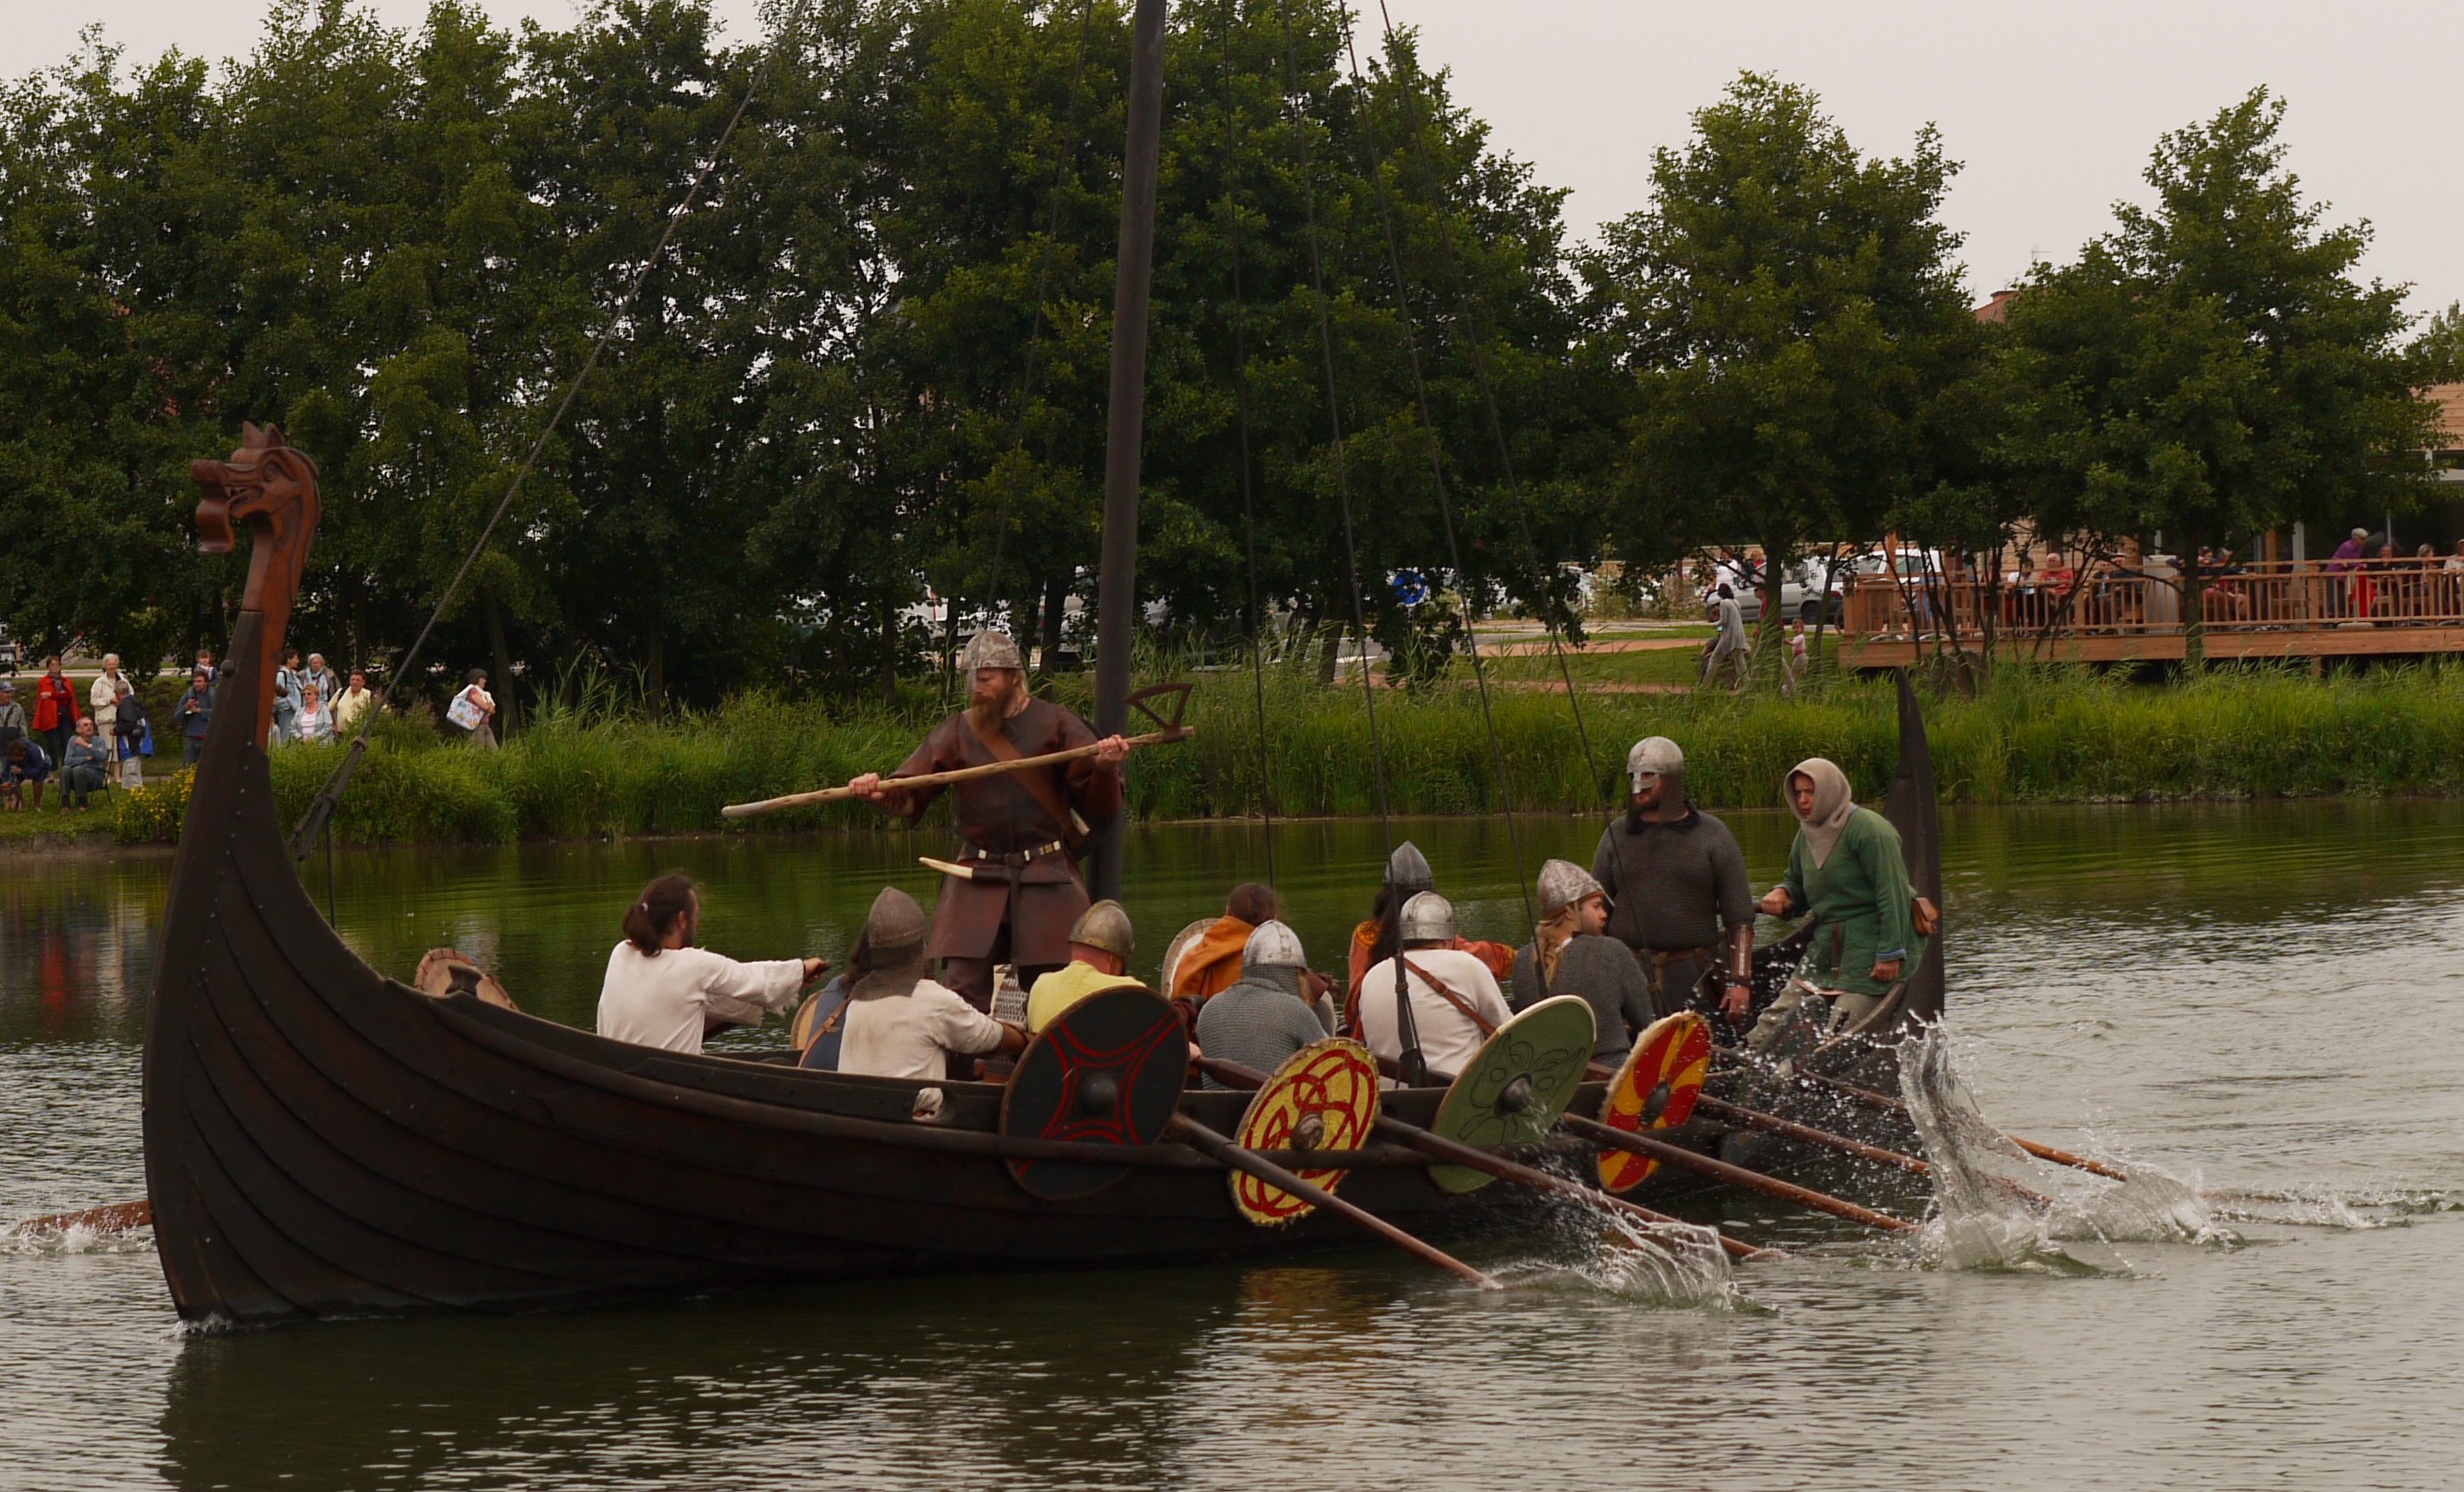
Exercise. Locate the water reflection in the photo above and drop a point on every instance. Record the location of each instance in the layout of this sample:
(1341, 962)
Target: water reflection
(2253, 995)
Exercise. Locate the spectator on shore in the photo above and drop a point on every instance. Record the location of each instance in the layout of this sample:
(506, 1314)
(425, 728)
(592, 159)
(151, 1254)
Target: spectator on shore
(135, 740)
(102, 699)
(56, 709)
(2343, 564)
(474, 710)
(1798, 659)
(1727, 652)
(25, 764)
(12, 714)
(314, 724)
(190, 717)
(213, 676)
(2451, 585)
(352, 703)
(329, 688)
(85, 769)
(287, 683)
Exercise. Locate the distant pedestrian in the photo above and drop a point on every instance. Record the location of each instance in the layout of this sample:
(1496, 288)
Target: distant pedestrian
(475, 711)
(1727, 652)
(314, 724)
(102, 699)
(12, 714)
(1798, 656)
(196, 708)
(213, 676)
(56, 709)
(329, 688)
(352, 703)
(85, 769)
(287, 682)
(136, 738)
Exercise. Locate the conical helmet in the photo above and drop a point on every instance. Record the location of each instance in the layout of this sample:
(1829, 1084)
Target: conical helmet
(1407, 870)
(1562, 884)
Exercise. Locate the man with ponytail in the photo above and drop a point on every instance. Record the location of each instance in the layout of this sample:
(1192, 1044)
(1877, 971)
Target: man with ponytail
(1571, 956)
(662, 991)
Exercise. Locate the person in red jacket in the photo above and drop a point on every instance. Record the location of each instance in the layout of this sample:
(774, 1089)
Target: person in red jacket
(56, 709)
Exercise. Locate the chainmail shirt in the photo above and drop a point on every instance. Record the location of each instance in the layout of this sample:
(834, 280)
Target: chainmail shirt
(1676, 885)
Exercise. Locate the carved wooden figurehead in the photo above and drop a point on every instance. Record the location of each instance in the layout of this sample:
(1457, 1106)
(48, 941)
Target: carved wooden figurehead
(272, 489)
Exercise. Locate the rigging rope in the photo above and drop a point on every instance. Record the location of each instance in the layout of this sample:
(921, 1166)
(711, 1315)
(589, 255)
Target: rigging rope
(1241, 418)
(1065, 155)
(1416, 1068)
(303, 836)
(1437, 470)
(1468, 338)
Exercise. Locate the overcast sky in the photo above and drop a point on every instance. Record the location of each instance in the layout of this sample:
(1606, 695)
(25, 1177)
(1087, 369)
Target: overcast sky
(2052, 108)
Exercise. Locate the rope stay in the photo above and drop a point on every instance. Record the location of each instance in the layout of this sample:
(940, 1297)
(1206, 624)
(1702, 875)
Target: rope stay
(1415, 1065)
(1437, 468)
(1065, 155)
(1469, 338)
(1241, 418)
(329, 795)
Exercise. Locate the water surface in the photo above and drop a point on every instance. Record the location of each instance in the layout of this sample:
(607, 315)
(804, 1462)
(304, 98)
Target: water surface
(2257, 996)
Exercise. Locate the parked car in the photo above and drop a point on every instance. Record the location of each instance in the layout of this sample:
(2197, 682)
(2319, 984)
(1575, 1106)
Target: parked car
(1801, 594)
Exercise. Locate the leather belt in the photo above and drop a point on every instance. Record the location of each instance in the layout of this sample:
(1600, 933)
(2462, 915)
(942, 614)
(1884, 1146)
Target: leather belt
(1663, 957)
(1014, 858)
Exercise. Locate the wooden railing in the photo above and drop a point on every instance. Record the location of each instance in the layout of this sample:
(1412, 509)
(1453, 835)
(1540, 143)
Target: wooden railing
(2123, 600)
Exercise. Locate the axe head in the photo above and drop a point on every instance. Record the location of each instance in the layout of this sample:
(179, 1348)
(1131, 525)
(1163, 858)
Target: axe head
(1145, 702)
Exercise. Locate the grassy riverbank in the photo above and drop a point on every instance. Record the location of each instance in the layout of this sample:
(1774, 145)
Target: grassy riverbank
(2054, 736)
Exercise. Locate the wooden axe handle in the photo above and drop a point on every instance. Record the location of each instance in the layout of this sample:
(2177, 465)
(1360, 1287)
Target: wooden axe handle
(831, 795)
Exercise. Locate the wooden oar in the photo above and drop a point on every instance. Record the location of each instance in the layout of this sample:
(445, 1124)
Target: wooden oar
(1233, 1074)
(1886, 1101)
(831, 795)
(1222, 1149)
(117, 1217)
(1807, 1134)
(1735, 1175)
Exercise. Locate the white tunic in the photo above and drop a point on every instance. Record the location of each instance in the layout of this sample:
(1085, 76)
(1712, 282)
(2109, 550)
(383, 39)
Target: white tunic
(661, 999)
(904, 1036)
(1449, 1039)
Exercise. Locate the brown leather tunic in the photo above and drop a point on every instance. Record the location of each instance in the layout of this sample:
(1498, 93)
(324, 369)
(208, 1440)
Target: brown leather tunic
(998, 816)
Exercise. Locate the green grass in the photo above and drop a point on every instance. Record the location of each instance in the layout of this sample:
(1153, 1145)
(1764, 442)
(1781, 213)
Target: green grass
(2031, 735)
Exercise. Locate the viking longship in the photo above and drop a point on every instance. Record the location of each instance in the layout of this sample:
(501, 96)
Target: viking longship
(321, 1139)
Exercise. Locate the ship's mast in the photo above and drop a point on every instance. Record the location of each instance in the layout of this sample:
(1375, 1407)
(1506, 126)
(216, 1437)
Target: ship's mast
(1116, 589)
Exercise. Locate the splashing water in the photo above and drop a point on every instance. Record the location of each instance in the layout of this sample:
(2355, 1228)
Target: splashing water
(76, 1238)
(1605, 1250)
(1985, 1217)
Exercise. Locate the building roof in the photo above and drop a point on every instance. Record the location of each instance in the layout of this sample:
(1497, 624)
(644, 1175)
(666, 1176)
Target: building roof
(2450, 399)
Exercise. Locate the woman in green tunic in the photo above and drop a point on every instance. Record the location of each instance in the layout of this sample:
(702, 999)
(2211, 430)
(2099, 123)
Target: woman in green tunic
(1846, 870)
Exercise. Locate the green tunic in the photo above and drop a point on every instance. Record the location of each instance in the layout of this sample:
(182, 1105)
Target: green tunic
(1859, 900)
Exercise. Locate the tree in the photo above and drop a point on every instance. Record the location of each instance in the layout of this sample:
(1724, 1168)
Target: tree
(1788, 318)
(2211, 368)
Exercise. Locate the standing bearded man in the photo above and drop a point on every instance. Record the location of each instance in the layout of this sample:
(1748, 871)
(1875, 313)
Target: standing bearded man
(1023, 890)
(1678, 882)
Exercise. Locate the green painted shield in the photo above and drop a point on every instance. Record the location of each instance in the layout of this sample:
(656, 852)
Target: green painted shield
(1513, 1089)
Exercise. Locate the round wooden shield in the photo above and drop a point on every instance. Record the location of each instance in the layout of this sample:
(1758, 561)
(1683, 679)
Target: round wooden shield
(1323, 1097)
(1516, 1085)
(1107, 1072)
(1654, 1090)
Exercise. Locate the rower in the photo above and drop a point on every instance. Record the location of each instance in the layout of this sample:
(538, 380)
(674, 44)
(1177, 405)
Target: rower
(662, 991)
(1845, 868)
(1214, 957)
(1455, 999)
(1015, 890)
(1261, 1018)
(1569, 956)
(1100, 945)
(1407, 875)
(900, 1025)
(1677, 882)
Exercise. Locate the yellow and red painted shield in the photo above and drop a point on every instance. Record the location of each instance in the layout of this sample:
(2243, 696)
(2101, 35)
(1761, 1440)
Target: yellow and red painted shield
(1654, 1090)
(1325, 1097)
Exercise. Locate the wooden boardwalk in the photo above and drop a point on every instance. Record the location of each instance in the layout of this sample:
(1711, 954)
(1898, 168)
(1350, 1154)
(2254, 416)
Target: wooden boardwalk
(2401, 608)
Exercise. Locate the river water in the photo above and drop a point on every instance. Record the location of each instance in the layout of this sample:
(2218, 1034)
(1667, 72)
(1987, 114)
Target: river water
(2259, 999)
